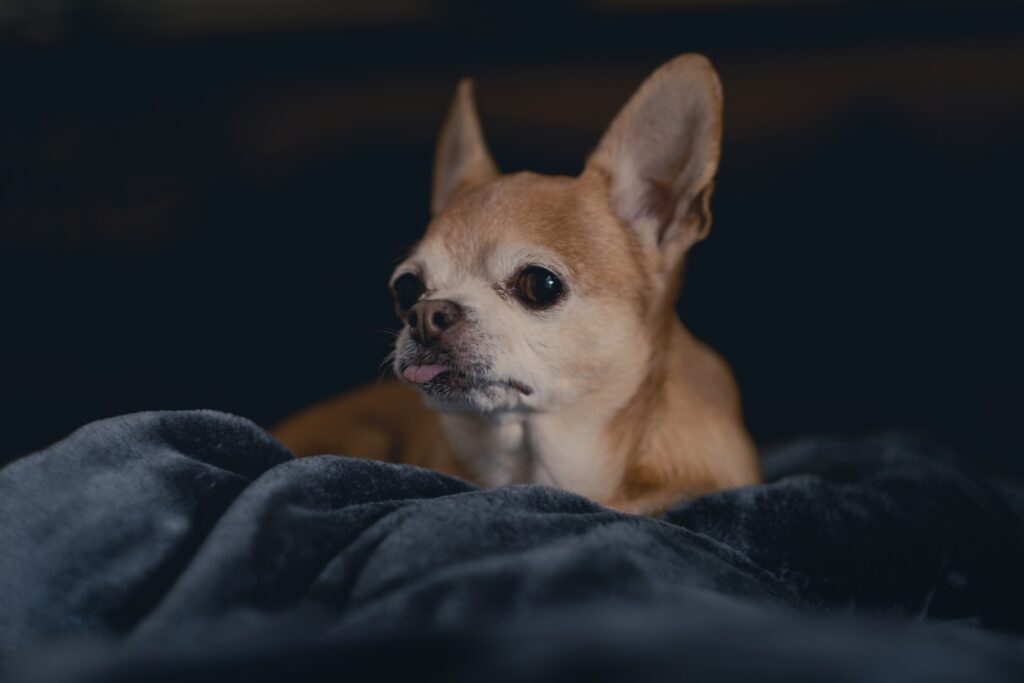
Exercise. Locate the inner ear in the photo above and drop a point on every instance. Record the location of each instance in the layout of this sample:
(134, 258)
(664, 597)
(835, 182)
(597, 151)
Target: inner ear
(658, 203)
(462, 159)
(660, 155)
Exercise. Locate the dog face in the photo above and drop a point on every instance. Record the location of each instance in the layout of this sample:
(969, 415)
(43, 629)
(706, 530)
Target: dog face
(523, 297)
(528, 292)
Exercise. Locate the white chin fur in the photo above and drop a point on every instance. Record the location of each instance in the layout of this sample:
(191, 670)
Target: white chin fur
(481, 401)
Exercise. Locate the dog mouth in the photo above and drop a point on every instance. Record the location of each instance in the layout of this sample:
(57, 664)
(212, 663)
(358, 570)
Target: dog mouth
(440, 378)
(423, 374)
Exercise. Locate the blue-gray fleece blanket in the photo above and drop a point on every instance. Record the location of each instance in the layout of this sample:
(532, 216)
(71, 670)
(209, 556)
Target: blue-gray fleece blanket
(192, 546)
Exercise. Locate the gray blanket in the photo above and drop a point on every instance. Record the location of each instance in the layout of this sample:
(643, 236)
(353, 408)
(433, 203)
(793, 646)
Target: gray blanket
(190, 545)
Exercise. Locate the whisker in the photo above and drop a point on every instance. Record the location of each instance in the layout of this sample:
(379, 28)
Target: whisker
(385, 365)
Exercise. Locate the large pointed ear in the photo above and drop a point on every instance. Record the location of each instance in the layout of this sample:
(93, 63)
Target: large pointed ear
(461, 160)
(660, 156)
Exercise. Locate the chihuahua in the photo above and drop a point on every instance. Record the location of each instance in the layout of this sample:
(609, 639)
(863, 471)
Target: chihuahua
(540, 342)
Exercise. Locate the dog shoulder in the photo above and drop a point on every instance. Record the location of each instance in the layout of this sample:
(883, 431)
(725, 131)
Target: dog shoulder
(699, 444)
(385, 421)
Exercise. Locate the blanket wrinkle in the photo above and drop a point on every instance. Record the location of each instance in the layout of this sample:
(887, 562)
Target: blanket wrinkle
(351, 583)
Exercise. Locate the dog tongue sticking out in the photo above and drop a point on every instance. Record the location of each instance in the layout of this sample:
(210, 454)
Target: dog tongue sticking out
(421, 374)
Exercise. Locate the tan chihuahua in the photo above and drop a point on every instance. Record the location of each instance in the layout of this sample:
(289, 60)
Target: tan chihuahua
(539, 319)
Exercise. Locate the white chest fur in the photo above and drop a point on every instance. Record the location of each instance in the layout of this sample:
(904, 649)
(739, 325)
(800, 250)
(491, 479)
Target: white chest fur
(495, 450)
(565, 452)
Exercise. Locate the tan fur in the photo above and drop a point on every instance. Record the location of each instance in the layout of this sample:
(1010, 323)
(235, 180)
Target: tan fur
(629, 408)
(383, 421)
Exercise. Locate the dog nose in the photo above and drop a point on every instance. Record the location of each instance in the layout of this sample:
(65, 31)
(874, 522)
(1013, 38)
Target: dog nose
(429, 319)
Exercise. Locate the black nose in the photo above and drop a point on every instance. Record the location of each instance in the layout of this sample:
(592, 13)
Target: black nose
(429, 319)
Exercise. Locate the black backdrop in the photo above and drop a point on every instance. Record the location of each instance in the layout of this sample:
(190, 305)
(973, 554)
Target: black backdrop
(207, 216)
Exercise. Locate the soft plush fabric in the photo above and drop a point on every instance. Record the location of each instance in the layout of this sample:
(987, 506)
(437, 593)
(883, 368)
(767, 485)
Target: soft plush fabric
(192, 546)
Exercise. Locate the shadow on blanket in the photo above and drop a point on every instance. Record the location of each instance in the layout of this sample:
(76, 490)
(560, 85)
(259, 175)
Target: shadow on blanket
(165, 546)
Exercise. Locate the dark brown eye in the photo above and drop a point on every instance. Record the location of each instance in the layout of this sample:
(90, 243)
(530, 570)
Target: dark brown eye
(408, 289)
(538, 287)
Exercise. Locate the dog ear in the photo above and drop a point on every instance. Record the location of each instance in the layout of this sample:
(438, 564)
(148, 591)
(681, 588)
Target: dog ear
(660, 155)
(461, 160)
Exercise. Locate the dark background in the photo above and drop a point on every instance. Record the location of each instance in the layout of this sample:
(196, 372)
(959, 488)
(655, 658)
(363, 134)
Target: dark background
(201, 202)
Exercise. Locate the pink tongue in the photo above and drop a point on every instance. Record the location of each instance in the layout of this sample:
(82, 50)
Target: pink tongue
(421, 374)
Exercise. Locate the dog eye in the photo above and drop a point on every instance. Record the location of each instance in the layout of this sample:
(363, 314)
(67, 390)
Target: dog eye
(408, 289)
(538, 287)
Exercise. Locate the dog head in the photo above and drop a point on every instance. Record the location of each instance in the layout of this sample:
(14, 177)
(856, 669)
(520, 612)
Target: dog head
(531, 292)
